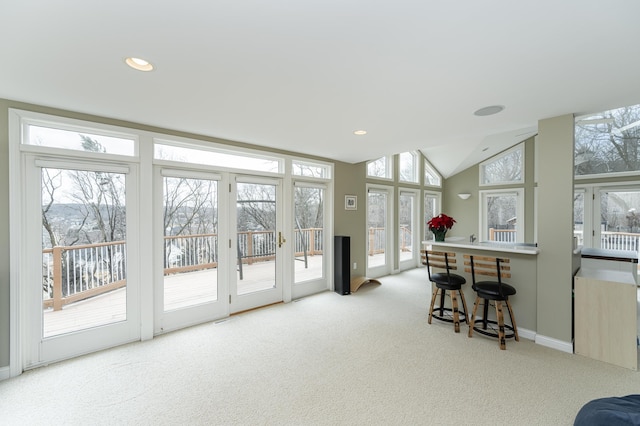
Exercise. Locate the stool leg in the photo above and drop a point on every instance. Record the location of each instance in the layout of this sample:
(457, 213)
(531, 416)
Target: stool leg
(456, 314)
(485, 312)
(473, 316)
(513, 321)
(433, 302)
(464, 306)
(500, 316)
(442, 295)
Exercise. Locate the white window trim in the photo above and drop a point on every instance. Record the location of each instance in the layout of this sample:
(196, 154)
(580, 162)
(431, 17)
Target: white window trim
(518, 147)
(520, 211)
(29, 118)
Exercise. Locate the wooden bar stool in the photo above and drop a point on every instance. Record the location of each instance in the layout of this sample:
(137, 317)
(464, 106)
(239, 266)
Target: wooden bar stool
(487, 291)
(445, 282)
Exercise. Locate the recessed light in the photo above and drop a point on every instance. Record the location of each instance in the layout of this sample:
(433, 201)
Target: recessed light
(490, 110)
(139, 64)
(360, 132)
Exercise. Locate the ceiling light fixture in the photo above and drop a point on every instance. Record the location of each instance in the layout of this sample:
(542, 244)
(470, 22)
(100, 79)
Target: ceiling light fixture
(490, 110)
(139, 64)
(360, 132)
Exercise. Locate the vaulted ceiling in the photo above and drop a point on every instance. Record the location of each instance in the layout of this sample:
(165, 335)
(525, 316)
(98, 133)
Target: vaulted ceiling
(304, 75)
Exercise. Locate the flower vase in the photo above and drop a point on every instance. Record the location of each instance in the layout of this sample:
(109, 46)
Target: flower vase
(439, 234)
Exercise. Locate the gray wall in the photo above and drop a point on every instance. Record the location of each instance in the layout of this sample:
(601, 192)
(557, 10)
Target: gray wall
(555, 227)
(350, 180)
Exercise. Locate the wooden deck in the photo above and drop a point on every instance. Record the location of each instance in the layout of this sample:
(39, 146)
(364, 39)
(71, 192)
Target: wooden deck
(180, 290)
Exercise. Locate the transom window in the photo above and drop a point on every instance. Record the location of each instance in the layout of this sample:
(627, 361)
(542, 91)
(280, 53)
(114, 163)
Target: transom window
(608, 143)
(431, 176)
(310, 169)
(409, 167)
(380, 168)
(505, 168)
(166, 150)
(79, 139)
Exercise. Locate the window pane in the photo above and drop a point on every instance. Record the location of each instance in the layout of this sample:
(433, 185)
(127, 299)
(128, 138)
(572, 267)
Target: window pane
(501, 217)
(301, 168)
(190, 242)
(83, 249)
(405, 220)
(212, 158)
(620, 220)
(430, 211)
(408, 167)
(608, 142)
(578, 217)
(507, 168)
(378, 168)
(431, 177)
(309, 233)
(377, 217)
(79, 141)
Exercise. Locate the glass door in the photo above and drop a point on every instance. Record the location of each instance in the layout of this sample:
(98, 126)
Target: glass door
(258, 241)
(192, 289)
(81, 262)
(309, 239)
(379, 234)
(618, 227)
(408, 245)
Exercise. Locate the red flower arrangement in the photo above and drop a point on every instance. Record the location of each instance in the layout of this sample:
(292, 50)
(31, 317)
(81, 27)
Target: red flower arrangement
(442, 222)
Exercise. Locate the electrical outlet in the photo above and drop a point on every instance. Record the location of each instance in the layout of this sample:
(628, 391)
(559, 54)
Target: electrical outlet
(355, 265)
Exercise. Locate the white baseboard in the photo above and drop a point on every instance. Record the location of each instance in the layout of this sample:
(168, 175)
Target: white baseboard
(5, 373)
(552, 343)
(526, 334)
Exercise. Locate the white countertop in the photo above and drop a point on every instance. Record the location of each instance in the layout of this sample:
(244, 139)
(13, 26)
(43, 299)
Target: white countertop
(459, 242)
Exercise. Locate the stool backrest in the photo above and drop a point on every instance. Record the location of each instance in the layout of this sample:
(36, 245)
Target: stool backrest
(438, 259)
(488, 266)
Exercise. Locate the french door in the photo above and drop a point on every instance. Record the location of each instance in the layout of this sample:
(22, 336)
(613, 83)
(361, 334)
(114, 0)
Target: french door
(193, 286)
(222, 236)
(408, 229)
(607, 217)
(258, 240)
(309, 244)
(81, 245)
(379, 231)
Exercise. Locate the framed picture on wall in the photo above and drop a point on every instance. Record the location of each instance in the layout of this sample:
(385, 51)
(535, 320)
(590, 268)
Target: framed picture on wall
(351, 202)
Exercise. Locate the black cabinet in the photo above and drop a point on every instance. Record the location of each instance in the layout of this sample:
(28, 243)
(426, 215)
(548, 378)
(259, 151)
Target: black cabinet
(342, 259)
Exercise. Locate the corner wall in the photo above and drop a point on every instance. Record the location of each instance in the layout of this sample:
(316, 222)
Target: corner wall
(555, 227)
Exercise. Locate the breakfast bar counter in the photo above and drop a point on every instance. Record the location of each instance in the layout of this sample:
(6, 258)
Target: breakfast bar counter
(524, 266)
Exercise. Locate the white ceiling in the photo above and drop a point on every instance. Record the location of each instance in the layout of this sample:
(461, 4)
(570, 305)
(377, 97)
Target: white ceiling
(303, 75)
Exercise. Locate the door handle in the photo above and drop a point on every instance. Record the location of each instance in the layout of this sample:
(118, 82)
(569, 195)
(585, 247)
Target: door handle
(281, 240)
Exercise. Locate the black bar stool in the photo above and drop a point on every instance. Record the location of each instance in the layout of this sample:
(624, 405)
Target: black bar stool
(487, 291)
(445, 282)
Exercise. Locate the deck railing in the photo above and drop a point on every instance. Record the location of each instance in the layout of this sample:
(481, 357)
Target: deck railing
(73, 273)
(502, 235)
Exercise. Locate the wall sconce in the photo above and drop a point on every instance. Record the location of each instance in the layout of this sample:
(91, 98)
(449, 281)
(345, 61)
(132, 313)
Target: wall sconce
(464, 195)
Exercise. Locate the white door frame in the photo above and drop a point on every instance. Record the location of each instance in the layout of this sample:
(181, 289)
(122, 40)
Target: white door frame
(390, 254)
